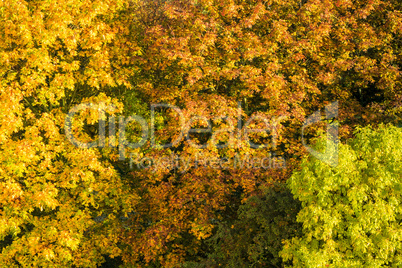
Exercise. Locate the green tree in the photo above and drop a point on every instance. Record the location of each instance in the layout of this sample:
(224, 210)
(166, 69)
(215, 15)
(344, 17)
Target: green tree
(351, 214)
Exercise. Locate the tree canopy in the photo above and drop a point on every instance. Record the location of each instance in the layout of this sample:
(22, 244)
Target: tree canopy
(224, 67)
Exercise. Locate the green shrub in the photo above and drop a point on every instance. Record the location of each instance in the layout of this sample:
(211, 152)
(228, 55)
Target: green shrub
(255, 236)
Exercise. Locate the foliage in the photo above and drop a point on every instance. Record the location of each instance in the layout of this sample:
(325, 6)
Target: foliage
(275, 58)
(64, 206)
(253, 236)
(351, 214)
(55, 55)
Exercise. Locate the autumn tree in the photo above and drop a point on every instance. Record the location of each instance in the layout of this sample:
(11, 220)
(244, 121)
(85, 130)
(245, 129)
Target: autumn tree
(55, 55)
(281, 60)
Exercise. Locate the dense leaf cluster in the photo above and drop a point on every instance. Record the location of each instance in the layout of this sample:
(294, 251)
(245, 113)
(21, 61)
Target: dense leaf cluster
(238, 64)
